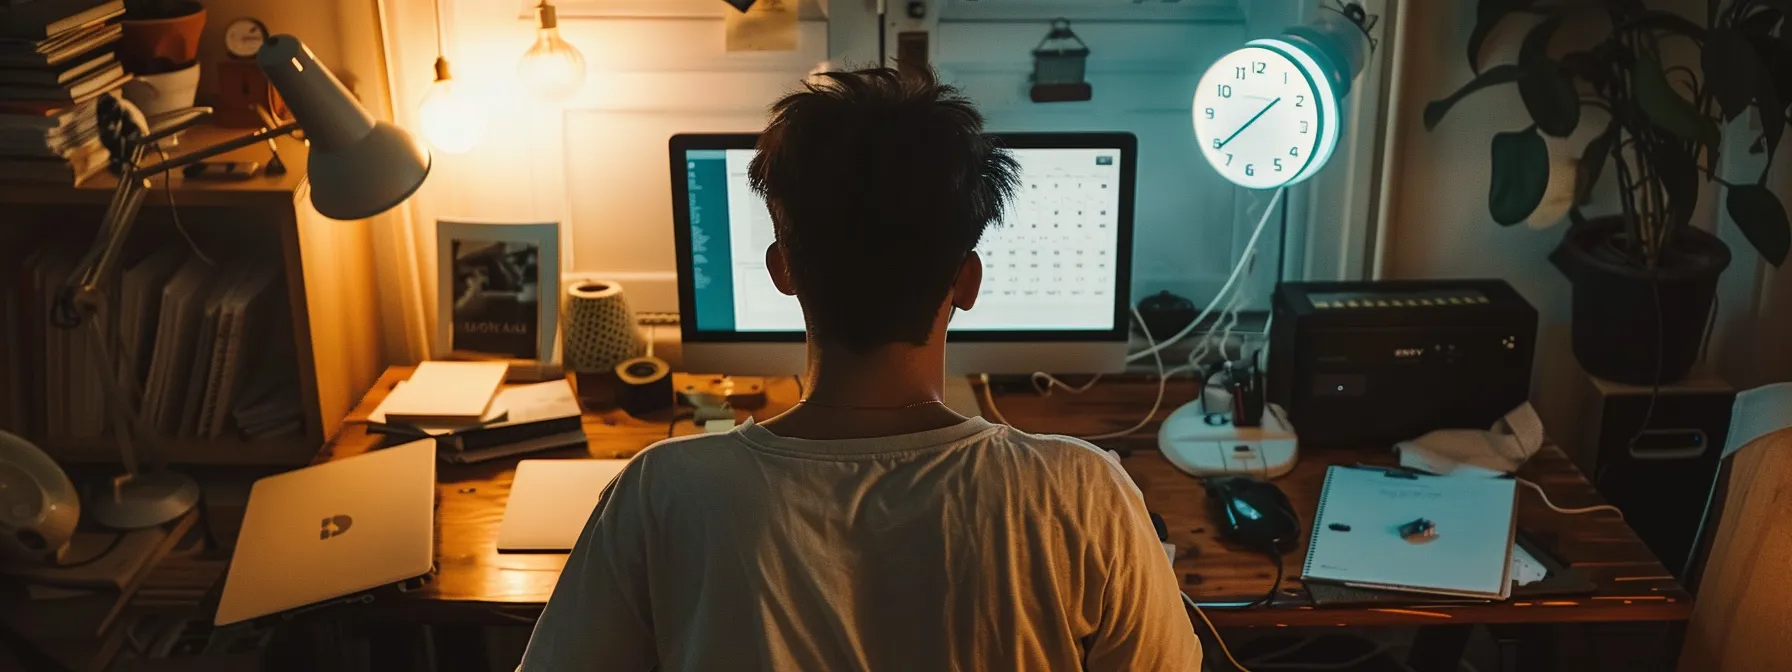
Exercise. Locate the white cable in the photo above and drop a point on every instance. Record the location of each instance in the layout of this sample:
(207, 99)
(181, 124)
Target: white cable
(1573, 512)
(174, 212)
(1216, 632)
(1052, 381)
(1297, 646)
(1163, 381)
(1250, 246)
(989, 401)
(1230, 320)
(1044, 382)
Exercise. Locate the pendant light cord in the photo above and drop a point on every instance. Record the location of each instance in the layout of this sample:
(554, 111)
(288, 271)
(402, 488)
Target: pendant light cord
(441, 45)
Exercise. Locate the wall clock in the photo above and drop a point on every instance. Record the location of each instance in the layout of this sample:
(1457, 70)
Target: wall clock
(1267, 114)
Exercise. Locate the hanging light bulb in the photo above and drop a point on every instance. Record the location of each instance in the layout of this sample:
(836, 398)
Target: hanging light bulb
(452, 120)
(552, 69)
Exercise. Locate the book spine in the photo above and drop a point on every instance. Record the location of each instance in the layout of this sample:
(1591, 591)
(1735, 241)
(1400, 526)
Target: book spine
(498, 436)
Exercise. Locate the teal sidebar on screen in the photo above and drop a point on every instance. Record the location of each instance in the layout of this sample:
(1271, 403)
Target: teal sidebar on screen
(712, 275)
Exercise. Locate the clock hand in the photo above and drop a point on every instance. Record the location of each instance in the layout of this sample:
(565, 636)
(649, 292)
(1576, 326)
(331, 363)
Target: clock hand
(1247, 124)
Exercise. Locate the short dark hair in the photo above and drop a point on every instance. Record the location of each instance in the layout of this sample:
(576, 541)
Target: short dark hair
(880, 184)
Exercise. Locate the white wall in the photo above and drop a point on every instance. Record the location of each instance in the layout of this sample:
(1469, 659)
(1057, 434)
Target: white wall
(599, 166)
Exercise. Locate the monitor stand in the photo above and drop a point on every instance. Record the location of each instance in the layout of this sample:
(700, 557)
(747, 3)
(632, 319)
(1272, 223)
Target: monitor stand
(959, 396)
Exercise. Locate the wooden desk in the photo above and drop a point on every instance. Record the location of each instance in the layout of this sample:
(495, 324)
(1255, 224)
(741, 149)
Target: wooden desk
(478, 585)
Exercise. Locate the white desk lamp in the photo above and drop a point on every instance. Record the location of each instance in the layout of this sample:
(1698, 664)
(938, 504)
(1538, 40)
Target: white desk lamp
(360, 167)
(1268, 116)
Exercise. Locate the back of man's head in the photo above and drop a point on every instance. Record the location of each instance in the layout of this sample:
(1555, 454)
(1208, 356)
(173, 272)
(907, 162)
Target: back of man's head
(880, 184)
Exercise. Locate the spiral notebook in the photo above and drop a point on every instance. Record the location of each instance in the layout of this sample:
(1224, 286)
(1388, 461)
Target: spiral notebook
(1356, 537)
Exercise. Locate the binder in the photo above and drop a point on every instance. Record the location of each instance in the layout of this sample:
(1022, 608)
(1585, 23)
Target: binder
(1356, 539)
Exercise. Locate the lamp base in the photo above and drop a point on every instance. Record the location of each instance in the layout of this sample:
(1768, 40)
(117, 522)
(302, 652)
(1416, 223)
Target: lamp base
(145, 500)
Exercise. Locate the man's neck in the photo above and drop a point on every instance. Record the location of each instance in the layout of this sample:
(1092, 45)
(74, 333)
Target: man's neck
(891, 375)
(881, 392)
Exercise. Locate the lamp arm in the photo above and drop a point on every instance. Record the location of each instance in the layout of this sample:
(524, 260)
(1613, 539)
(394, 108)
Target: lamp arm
(81, 299)
(185, 160)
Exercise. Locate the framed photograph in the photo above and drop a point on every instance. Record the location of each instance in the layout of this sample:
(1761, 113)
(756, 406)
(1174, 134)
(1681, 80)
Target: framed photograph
(497, 290)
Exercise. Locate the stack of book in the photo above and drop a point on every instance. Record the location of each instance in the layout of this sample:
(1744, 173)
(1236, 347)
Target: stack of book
(56, 61)
(206, 335)
(204, 350)
(460, 405)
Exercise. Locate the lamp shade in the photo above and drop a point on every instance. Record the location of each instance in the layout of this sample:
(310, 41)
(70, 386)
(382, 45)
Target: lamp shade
(360, 166)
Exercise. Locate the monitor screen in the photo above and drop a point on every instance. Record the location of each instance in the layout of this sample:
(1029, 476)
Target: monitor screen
(1056, 264)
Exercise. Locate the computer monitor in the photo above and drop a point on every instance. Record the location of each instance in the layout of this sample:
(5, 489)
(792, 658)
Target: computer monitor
(1056, 280)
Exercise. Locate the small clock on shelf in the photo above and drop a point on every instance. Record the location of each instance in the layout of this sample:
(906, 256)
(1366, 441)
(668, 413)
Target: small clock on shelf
(241, 85)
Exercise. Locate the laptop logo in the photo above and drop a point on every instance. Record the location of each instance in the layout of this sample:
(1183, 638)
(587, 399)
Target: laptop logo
(334, 526)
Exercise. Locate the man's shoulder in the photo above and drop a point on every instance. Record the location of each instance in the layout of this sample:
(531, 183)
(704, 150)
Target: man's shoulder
(685, 448)
(1065, 452)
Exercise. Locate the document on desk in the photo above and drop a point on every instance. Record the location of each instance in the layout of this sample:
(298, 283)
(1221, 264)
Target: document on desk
(1357, 540)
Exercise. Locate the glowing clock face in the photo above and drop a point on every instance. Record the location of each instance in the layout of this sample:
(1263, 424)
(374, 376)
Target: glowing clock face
(244, 37)
(1266, 115)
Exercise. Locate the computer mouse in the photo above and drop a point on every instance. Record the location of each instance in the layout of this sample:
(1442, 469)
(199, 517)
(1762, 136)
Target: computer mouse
(1252, 512)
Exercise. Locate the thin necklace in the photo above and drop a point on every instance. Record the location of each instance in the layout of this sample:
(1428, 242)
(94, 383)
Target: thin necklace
(850, 407)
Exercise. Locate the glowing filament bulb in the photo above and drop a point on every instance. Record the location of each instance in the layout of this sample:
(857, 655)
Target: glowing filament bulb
(452, 120)
(552, 69)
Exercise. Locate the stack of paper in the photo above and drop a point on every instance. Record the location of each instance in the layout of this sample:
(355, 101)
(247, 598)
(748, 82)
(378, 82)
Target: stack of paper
(445, 394)
(521, 419)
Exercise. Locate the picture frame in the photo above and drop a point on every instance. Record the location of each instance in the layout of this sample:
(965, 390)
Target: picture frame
(498, 291)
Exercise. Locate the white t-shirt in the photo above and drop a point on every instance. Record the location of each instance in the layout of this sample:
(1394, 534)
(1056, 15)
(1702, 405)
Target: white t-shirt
(972, 547)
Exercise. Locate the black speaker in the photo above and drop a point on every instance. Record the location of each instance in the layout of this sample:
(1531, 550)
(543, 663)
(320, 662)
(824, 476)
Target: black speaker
(1655, 454)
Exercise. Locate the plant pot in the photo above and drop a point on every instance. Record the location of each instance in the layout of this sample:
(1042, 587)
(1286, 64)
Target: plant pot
(163, 93)
(154, 45)
(1635, 325)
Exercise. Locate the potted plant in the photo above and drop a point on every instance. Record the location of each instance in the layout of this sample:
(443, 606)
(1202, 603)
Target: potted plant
(1644, 279)
(160, 35)
(160, 45)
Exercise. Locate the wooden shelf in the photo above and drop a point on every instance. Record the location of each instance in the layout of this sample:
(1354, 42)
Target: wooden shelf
(262, 190)
(285, 451)
(330, 278)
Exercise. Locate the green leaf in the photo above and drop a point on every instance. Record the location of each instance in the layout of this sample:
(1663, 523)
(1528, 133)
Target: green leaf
(1659, 20)
(1586, 66)
(1592, 163)
(1761, 22)
(1763, 221)
(1664, 107)
(1549, 96)
(1520, 176)
(1772, 111)
(1503, 74)
(1731, 70)
(1679, 175)
(1776, 76)
(1772, 9)
(1487, 15)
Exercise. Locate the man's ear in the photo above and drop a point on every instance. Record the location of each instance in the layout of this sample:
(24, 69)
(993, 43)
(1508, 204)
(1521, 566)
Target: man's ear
(968, 283)
(779, 268)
